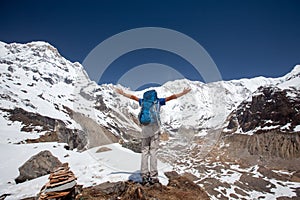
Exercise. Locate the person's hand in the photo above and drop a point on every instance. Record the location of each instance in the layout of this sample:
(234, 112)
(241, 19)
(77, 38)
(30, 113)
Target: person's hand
(186, 90)
(119, 91)
(130, 96)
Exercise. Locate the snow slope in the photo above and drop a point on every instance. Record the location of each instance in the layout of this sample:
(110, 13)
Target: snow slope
(90, 168)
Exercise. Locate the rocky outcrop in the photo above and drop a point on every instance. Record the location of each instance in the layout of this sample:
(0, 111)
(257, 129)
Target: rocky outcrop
(134, 145)
(268, 144)
(56, 130)
(269, 107)
(39, 165)
(96, 134)
(179, 187)
(265, 125)
(275, 144)
(30, 120)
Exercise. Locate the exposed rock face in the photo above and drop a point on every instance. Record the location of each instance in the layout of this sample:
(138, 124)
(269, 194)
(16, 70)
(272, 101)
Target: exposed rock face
(39, 165)
(275, 144)
(270, 106)
(56, 130)
(96, 134)
(269, 144)
(265, 126)
(134, 145)
(179, 187)
(31, 120)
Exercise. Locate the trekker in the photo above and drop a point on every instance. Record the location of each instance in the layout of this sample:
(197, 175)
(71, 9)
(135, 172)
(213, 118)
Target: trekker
(150, 130)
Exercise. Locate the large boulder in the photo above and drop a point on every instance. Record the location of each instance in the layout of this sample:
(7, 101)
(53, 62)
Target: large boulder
(39, 165)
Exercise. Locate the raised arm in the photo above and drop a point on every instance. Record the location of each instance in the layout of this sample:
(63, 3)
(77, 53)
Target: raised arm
(175, 96)
(130, 96)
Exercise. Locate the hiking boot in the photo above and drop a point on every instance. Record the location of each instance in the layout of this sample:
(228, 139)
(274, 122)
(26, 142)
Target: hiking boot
(153, 181)
(145, 181)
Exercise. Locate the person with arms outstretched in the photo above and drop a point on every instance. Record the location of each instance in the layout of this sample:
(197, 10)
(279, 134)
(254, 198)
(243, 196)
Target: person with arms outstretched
(150, 121)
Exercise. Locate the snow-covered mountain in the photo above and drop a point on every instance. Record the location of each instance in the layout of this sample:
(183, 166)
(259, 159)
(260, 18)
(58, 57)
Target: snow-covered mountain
(46, 98)
(36, 78)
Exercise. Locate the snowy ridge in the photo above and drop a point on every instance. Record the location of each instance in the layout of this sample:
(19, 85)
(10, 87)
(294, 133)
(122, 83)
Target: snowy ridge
(48, 82)
(291, 79)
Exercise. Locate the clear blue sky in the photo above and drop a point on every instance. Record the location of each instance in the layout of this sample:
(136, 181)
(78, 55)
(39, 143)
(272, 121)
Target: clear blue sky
(245, 38)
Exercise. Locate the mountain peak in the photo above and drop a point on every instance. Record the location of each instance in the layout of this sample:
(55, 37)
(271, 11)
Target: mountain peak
(295, 71)
(296, 68)
(2, 43)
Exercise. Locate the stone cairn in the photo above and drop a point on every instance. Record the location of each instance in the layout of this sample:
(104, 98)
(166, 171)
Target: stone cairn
(61, 185)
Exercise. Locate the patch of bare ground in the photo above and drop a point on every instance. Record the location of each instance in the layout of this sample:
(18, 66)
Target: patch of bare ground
(179, 187)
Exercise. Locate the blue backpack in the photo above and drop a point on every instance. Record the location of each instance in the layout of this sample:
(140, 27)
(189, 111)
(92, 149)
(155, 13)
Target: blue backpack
(150, 108)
